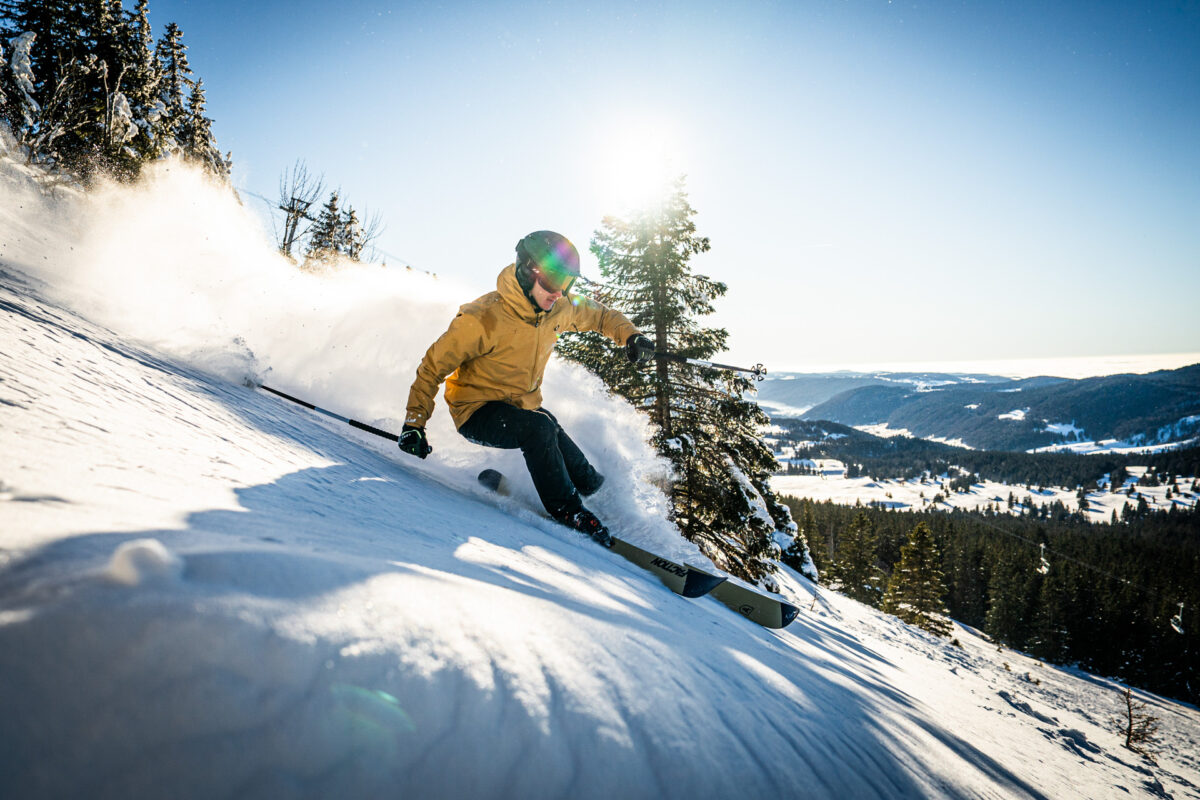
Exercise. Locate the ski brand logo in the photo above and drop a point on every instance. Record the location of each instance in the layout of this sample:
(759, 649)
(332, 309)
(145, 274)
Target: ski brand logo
(670, 566)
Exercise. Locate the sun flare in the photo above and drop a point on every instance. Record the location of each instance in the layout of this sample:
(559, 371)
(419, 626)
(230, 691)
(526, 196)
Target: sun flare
(635, 165)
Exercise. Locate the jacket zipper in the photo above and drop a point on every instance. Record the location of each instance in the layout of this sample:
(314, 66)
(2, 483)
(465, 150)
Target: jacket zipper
(537, 348)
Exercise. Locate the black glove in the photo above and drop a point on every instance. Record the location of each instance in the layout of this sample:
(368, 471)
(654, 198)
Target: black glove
(413, 441)
(638, 348)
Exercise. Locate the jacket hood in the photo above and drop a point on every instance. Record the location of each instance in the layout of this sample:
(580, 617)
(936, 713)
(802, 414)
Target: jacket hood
(514, 296)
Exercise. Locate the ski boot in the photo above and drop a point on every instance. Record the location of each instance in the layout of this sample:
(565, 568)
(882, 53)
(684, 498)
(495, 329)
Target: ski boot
(586, 523)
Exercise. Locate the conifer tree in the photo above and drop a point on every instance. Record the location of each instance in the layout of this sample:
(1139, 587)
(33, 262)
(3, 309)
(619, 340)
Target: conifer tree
(56, 27)
(18, 108)
(854, 571)
(196, 140)
(352, 238)
(1011, 587)
(175, 83)
(144, 79)
(916, 591)
(95, 96)
(804, 553)
(704, 424)
(1049, 636)
(112, 39)
(59, 121)
(1138, 727)
(325, 235)
(108, 39)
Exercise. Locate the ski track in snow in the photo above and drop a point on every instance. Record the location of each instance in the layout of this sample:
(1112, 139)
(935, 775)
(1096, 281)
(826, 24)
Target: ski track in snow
(207, 592)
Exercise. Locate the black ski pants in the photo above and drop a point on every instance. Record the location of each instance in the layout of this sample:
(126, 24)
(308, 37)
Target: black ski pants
(559, 469)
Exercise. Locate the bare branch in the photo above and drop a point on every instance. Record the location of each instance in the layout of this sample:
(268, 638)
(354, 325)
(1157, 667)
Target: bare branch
(298, 191)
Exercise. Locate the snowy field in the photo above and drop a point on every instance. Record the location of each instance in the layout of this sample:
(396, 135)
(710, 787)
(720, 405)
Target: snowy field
(206, 592)
(831, 483)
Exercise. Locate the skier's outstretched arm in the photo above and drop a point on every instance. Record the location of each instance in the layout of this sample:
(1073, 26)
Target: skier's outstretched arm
(592, 315)
(461, 342)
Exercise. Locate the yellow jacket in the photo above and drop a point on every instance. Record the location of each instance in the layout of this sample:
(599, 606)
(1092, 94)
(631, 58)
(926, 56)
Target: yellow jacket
(497, 348)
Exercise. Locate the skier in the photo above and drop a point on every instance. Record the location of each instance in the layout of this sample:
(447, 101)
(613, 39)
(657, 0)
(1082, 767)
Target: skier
(495, 352)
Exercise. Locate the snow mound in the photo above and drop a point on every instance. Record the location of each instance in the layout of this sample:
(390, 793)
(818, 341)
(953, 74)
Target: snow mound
(143, 561)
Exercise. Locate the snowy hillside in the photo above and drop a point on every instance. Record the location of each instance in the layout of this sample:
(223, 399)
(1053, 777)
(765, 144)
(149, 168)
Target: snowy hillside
(829, 482)
(206, 592)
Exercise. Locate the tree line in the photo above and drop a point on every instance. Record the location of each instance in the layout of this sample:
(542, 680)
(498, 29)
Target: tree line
(906, 458)
(1118, 600)
(86, 89)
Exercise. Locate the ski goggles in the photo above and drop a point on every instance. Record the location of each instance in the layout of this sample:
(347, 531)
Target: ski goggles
(552, 281)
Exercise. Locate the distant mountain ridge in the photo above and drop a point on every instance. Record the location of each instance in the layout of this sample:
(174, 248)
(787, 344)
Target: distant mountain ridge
(805, 390)
(995, 413)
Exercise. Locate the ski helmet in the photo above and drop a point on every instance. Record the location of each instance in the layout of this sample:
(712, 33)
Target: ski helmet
(549, 258)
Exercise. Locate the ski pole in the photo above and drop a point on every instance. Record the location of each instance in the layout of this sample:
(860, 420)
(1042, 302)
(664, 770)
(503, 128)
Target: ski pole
(362, 426)
(758, 370)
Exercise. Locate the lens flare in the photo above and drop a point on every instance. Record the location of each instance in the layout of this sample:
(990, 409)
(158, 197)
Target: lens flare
(636, 165)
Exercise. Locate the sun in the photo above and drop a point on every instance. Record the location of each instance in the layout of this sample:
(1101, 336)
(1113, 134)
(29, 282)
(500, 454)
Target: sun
(635, 165)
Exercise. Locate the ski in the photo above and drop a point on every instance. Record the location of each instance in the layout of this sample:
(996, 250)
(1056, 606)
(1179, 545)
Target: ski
(679, 578)
(768, 611)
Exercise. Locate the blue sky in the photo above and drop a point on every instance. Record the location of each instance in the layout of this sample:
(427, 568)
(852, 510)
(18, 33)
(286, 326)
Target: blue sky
(880, 181)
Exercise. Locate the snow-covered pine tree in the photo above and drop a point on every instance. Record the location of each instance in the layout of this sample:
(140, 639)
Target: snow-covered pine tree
(704, 425)
(111, 40)
(55, 25)
(99, 101)
(196, 141)
(51, 58)
(78, 61)
(143, 80)
(916, 591)
(175, 83)
(15, 109)
(799, 555)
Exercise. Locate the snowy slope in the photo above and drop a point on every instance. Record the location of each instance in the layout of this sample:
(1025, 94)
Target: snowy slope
(207, 593)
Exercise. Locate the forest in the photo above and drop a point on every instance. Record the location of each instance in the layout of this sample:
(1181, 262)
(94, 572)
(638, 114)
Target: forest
(1120, 600)
(904, 457)
(86, 88)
